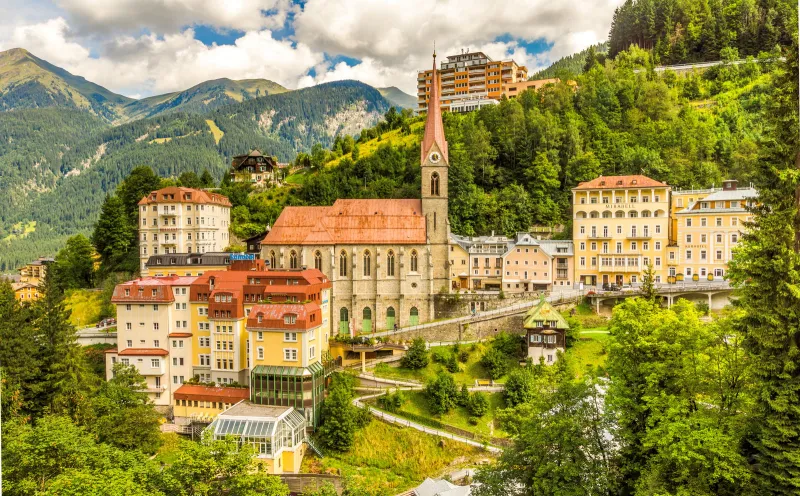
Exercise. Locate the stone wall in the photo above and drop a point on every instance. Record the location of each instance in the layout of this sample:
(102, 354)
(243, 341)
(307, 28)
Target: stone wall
(472, 331)
(298, 483)
(459, 304)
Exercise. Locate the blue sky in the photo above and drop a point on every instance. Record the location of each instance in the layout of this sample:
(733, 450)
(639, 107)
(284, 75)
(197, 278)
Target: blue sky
(145, 47)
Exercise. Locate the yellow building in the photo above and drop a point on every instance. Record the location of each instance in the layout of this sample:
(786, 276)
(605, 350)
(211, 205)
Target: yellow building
(469, 80)
(620, 225)
(459, 265)
(707, 229)
(25, 291)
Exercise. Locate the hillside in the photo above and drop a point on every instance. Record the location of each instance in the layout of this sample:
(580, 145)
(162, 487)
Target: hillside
(203, 97)
(27, 81)
(398, 97)
(572, 64)
(56, 164)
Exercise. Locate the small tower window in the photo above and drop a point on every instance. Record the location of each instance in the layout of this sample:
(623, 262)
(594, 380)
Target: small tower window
(435, 184)
(318, 260)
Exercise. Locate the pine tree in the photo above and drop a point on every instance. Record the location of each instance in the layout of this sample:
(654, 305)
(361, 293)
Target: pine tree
(18, 352)
(206, 179)
(113, 235)
(649, 290)
(66, 380)
(74, 265)
(766, 270)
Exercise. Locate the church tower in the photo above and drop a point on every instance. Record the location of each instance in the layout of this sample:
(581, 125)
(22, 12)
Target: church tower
(434, 164)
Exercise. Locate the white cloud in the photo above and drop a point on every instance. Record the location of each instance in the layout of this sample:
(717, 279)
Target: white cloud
(150, 64)
(169, 16)
(102, 40)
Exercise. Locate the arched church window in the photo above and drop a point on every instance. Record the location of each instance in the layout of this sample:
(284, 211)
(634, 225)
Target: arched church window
(390, 263)
(343, 264)
(413, 260)
(293, 260)
(318, 260)
(367, 263)
(435, 184)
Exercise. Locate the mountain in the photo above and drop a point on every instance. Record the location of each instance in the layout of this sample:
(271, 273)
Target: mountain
(27, 81)
(571, 63)
(57, 164)
(203, 97)
(398, 97)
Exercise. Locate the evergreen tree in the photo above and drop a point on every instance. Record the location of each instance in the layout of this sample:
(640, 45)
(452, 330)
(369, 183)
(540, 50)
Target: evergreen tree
(66, 381)
(19, 359)
(74, 264)
(766, 270)
(648, 289)
(206, 179)
(113, 234)
(189, 179)
(416, 357)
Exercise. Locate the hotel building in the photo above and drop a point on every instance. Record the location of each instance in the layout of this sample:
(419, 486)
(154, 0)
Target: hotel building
(707, 230)
(469, 81)
(182, 220)
(620, 226)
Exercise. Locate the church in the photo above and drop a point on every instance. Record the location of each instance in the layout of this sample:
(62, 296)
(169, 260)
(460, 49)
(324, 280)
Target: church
(386, 259)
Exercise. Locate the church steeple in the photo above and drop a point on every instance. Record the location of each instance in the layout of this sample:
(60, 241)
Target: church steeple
(434, 129)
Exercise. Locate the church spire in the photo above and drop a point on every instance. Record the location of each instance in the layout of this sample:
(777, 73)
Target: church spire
(434, 129)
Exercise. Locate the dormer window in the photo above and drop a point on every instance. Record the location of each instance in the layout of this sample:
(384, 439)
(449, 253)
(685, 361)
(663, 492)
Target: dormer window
(154, 292)
(633, 182)
(619, 183)
(289, 318)
(260, 318)
(127, 292)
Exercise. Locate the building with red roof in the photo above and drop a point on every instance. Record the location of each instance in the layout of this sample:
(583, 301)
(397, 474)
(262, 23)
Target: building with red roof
(386, 258)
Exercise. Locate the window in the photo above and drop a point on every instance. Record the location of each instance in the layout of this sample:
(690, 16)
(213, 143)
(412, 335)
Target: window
(367, 263)
(155, 363)
(293, 260)
(688, 238)
(719, 238)
(128, 325)
(290, 318)
(259, 336)
(318, 260)
(703, 238)
(125, 361)
(155, 307)
(156, 343)
(290, 354)
(390, 263)
(130, 343)
(688, 254)
(719, 254)
(312, 352)
(734, 221)
(702, 255)
(260, 353)
(435, 184)
(688, 222)
(734, 238)
(658, 245)
(703, 222)
(413, 261)
(290, 337)
(272, 259)
(343, 264)
(719, 221)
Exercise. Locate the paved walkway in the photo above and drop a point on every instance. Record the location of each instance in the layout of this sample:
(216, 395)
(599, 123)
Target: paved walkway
(392, 419)
(555, 297)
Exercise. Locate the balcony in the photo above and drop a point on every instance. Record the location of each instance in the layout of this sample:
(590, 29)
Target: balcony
(619, 268)
(155, 389)
(168, 214)
(639, 236)
(600, 236)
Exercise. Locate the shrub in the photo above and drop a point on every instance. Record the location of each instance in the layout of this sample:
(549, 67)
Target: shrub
(452, 364)
(519, 387)
(440, 355)
(463, 356)
(478, 404)
(442, 393)
(473, 420)
(417, 355)
(495, 363)
(392, 401)
(509, 344)
(463, 396)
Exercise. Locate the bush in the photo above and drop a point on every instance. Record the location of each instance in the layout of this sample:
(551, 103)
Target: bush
(495, 363)
(417, 355)
(463, 356)
(509, 344)
(392, 402)
(478, 404)
(473, 420)
(440, 355)
(452, 364)
(519, 387)
(442, 393)
(463, 396)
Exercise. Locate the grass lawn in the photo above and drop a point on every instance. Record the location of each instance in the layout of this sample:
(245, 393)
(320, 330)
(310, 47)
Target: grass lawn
(85, 306)
(215, 130)
(386, 459)
(417, 403)
(297, 178)
(469, 371)
(589, 350)
(394, 137)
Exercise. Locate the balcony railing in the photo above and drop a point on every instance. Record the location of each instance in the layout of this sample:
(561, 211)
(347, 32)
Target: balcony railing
(640, 236)
(600, 236)
(619, 268)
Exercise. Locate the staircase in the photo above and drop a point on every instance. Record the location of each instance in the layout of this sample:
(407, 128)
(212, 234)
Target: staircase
(314, 448)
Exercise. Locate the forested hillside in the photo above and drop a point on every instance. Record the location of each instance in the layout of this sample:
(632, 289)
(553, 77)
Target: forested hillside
(203, 97)
(60, 164)
(680, 31)
(27, 81)
(513, 165)
(572, 64)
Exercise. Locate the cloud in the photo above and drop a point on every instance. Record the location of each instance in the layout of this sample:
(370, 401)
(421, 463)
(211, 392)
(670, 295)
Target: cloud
(150, 64)
(170, 16)
(148, 46)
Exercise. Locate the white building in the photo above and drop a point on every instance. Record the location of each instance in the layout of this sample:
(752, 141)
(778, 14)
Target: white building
(182, 220)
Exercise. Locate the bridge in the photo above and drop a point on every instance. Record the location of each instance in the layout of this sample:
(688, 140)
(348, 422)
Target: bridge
(668, 292)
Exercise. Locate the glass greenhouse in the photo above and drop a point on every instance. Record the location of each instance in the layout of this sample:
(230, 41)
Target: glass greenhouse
(269, 429)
